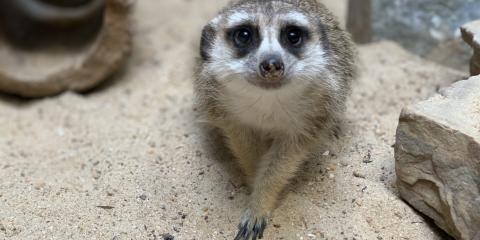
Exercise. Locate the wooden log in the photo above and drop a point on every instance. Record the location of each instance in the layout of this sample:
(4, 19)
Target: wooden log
(359, 22)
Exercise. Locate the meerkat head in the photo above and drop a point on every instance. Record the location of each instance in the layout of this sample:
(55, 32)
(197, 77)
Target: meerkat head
(269, 45)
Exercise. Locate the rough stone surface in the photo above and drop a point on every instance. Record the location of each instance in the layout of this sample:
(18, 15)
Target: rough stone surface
(471, 35)
(51, 71)
(128, 161)
(438, 158)
(429, 27)
(420, 25)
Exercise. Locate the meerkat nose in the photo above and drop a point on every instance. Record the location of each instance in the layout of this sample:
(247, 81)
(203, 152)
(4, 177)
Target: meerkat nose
(272, 67)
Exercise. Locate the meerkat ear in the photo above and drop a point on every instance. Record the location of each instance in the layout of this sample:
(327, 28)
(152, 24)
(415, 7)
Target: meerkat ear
(206, 42)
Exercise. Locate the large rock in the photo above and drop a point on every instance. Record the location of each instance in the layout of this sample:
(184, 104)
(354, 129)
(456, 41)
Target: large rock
(420, 25)
(471, 35)
(428, 27)
(438, 158)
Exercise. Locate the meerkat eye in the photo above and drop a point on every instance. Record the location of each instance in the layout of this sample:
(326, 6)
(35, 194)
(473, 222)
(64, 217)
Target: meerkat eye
(242, 37)
(294, 36)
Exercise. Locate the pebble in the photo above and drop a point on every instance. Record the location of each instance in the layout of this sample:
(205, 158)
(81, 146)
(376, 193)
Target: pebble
(168, 237)
(383, 178)
(358, 174)
(96, 174)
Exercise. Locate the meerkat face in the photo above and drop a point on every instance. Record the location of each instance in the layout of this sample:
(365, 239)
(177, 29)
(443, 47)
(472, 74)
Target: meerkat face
(269, 46)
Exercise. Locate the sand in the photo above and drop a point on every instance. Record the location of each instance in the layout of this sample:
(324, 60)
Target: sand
(129, 161)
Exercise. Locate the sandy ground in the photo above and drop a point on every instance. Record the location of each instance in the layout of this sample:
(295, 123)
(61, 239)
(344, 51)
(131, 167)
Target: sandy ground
(128, 161)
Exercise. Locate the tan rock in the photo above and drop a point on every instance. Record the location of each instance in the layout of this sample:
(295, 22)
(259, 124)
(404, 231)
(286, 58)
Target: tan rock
(438, 158)
(471, 35)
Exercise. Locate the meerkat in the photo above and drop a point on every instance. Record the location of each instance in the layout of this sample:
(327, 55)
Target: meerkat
(273, 76)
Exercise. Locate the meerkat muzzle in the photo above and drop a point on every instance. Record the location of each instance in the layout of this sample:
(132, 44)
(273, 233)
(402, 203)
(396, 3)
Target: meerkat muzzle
(272, 68)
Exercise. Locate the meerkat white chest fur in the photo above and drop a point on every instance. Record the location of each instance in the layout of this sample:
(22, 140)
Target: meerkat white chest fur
(273, 77)
(280, 110)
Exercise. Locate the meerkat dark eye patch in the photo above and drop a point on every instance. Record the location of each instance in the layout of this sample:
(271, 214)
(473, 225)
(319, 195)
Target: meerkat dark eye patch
(293, 38)
(206, 42)
(244, 38)
(324, 37)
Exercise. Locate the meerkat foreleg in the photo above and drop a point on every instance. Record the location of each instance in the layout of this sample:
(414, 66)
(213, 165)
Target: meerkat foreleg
(247, 148)
(274, 172)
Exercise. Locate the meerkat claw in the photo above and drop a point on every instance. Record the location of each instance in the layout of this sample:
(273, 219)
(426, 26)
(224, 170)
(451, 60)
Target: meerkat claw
(251, 227)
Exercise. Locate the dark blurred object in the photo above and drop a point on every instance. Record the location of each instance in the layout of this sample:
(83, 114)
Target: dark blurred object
(359, 22)
(67, 3)
(470, 33)
(40, 23)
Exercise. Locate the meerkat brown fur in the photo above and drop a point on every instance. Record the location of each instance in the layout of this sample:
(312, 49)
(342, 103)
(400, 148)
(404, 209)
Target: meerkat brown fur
(273, 77)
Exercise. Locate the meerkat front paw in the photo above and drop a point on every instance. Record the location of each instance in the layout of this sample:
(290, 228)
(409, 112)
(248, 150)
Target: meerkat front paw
(251, 226)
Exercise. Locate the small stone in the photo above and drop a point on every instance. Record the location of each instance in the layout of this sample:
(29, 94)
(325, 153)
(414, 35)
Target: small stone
(358, 174)
(143, 197)
(167, 236)
(331, 168)
(368, 157)
(96, 174)
(60, 131)
(39, 185)
(383, 178)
